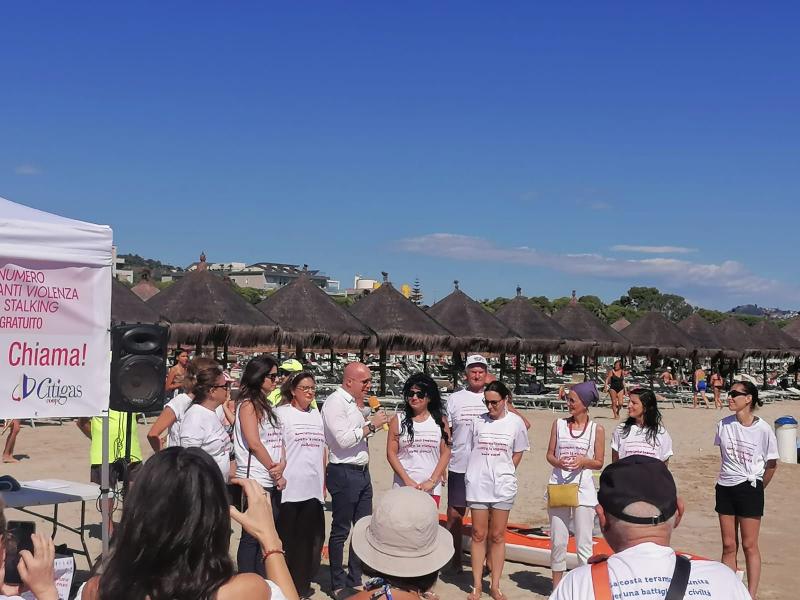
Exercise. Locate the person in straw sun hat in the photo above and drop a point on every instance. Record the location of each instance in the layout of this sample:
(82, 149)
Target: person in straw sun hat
(402, 546)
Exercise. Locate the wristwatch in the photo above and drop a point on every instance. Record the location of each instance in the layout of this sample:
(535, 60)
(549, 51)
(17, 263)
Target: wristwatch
(371, 427)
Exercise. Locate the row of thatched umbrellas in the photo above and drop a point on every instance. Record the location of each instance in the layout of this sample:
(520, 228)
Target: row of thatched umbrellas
(202, 309)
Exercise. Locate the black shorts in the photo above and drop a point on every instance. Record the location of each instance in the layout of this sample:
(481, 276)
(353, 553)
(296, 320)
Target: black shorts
(742, 500)
(114, 473)
(456, 490)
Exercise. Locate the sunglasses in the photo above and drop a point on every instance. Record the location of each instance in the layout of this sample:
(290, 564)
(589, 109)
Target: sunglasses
(272, 376)
(421, 394)
(736, 394)
(491, 402)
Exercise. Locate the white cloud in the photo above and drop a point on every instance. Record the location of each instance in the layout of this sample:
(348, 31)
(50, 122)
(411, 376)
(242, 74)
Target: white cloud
(729, 277)
(599, 205)
(653, 249)
(27, 169)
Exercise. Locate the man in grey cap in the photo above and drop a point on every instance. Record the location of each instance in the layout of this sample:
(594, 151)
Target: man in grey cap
(639, 507)
(463, 407)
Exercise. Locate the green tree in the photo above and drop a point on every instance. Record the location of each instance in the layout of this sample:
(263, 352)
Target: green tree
(559, 303)
(615, 312)
(712, 316)
(344, 300)
(252, 295)
(542, 303)
(674, 307)
(594, 305)
(494, 305)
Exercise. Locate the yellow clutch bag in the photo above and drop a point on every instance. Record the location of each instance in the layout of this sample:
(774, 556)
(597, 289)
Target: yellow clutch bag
(562, 495)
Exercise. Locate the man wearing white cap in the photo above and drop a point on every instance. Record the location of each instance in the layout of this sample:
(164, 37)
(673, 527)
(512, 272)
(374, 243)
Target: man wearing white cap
(463, 407)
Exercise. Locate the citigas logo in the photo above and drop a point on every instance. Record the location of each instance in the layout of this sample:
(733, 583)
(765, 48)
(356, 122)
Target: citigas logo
(51, 392)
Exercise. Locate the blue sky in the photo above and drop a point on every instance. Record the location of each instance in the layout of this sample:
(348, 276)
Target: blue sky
(588, 146)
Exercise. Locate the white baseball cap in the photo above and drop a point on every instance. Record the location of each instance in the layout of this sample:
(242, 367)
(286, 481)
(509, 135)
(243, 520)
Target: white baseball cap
(476, 359)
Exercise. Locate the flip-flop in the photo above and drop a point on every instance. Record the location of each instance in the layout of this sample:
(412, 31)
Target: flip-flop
(474, 594)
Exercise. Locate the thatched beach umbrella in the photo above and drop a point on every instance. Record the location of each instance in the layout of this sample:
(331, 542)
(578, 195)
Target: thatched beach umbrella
(145, 289)
(620, 324)
(737, 336)
(708, 340)
(586, 327)
(773, 343)
(793, 328)
(478, 329)
(203, 307)
(126, 307)
(653, 335)
(310, 318)
(539, 333)
(400, 324)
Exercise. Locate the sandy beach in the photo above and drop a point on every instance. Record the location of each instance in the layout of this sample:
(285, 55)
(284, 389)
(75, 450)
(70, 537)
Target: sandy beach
(61, 451)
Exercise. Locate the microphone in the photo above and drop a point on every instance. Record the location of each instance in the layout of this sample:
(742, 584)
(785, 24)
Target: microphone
(375, 405)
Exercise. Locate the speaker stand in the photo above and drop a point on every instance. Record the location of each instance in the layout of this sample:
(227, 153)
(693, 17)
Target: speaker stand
(105, 512)
(128, 429)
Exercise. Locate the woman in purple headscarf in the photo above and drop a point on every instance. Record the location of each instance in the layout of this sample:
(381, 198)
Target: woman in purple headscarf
(575, 450)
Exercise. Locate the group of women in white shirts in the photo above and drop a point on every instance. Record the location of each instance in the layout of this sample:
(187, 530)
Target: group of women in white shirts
(283, 449)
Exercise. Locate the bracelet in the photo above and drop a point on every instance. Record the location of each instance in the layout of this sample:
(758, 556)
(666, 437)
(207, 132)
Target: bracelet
(267, 553)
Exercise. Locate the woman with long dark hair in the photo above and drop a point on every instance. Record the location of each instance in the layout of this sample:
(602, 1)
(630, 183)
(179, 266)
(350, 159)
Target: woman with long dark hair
(301, 520)
(642, 432)
(173, 539)
(498, 440)
(749, 452)
(258, 446)
(418, 446)
(615, 386)
(202, 426)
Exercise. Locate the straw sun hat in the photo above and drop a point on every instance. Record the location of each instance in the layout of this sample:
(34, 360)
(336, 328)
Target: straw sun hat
(403, 537)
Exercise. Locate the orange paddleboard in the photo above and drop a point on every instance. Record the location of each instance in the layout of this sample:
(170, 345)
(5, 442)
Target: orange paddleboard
(531, 546)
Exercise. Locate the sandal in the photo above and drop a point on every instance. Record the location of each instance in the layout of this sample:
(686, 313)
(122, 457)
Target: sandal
(496, 594)
(475, 594)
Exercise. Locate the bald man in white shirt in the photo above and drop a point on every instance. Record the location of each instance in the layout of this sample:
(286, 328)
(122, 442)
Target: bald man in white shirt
(347, 476)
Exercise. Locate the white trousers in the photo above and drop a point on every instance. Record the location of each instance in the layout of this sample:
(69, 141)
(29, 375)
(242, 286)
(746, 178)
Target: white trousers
(582, 518)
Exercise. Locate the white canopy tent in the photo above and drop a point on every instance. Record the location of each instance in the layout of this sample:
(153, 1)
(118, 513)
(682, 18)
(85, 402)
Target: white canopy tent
(55, 310)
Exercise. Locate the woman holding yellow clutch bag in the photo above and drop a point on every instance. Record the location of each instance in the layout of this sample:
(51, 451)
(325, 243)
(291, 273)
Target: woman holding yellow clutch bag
(575, 450)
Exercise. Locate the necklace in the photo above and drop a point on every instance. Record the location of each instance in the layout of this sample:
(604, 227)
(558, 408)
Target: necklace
(572, 435)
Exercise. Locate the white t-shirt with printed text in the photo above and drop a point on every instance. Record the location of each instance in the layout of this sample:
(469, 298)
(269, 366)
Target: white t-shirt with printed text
(304, 440)
(201, 428)
(636, 442)
(744, 450)
(179, 404)
(462, 408)
(271, 438)
(420, 457)
(491, 475)
(645, 572)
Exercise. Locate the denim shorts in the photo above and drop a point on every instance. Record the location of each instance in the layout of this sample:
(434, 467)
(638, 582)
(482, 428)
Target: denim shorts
(488, 505)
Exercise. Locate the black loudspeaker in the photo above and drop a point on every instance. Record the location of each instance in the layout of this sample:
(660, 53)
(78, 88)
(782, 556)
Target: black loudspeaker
(138, 367)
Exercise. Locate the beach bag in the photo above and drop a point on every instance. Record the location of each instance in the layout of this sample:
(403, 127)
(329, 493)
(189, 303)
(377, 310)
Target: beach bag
(565, 495)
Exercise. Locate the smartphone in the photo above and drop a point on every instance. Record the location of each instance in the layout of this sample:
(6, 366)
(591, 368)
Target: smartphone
(18, 538)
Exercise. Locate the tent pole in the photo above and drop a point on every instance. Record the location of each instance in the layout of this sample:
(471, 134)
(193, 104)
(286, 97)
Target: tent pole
(333, 360)
(456, 360)
(502, 365)
(361, 355)
(652, 370)
(225, 354)
(105, 500)
(545, 360)
(517, 373)
(382, 364)
(279, 352)
(425, 361)
(764, 384)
